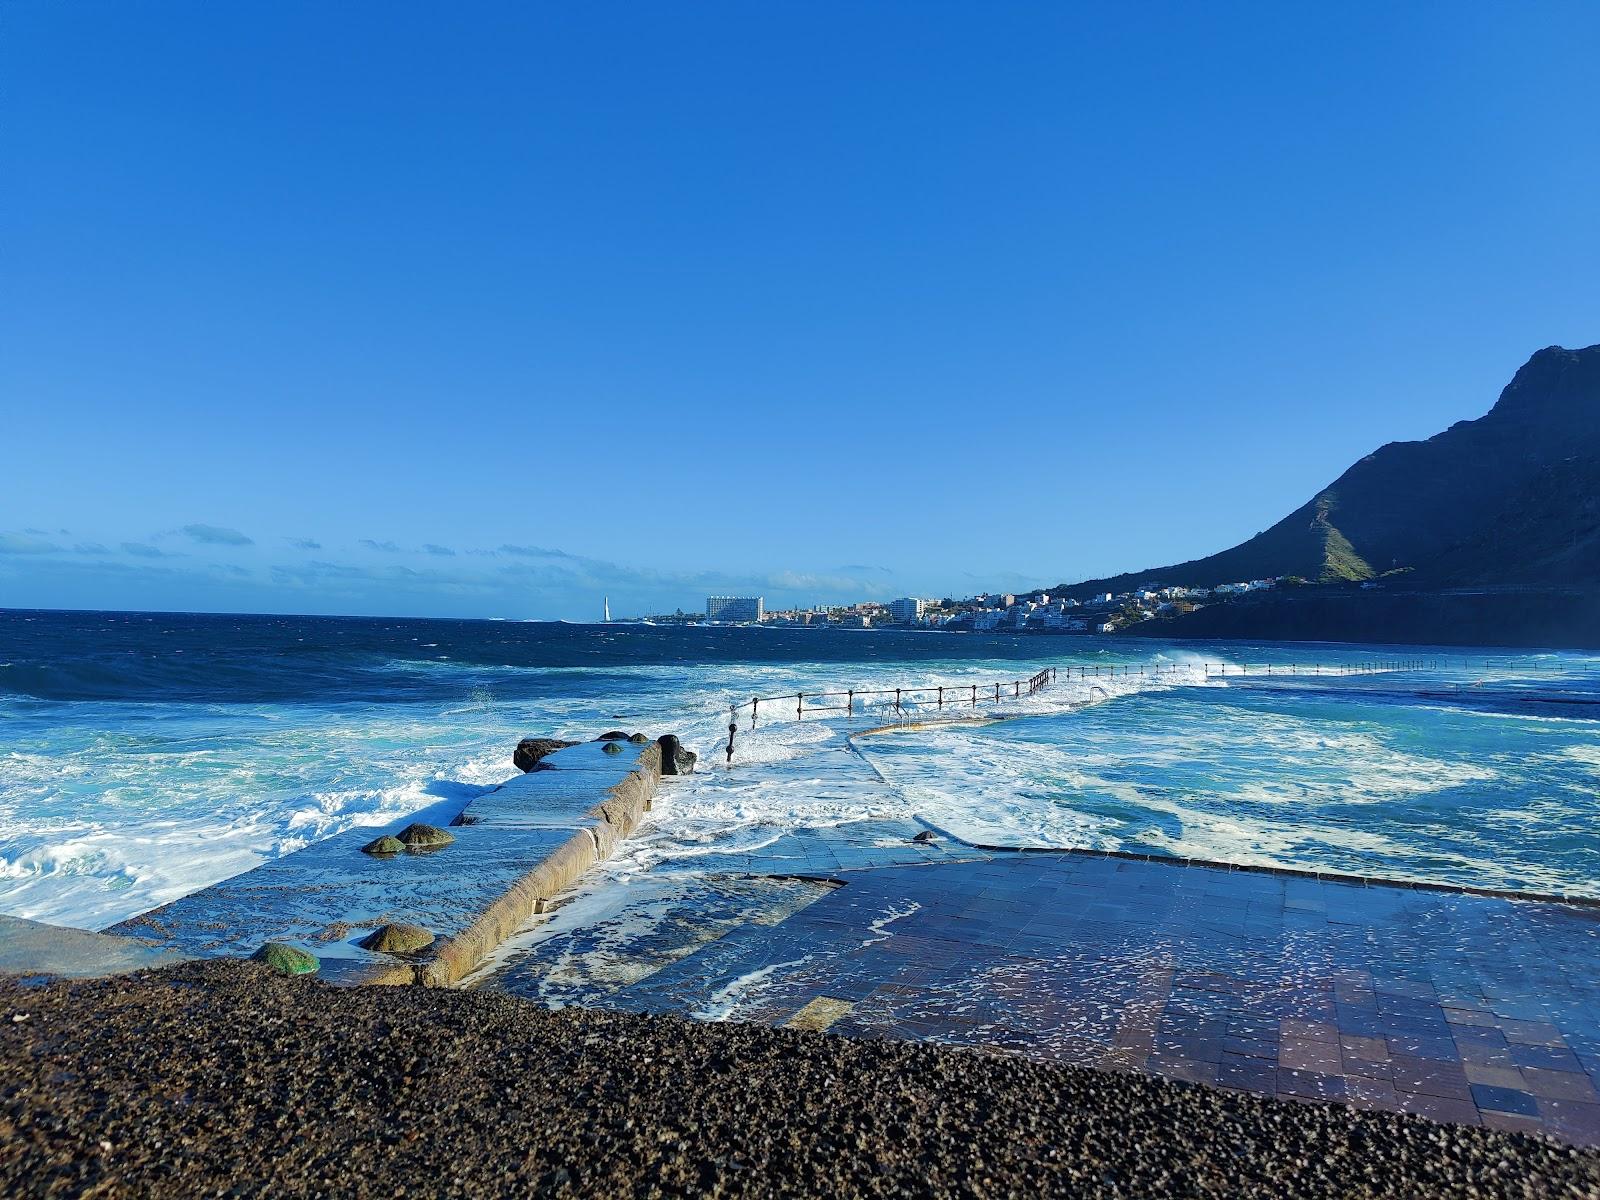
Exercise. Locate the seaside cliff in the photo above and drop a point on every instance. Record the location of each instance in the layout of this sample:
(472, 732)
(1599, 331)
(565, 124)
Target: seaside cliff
(1486, 533)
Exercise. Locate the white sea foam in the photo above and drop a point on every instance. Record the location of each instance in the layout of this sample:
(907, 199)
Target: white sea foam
(109, 809)
(739, 995)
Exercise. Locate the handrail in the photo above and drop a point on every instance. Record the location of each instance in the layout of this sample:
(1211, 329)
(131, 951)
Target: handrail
(1372, 667)
(967, 694)
(952, 695)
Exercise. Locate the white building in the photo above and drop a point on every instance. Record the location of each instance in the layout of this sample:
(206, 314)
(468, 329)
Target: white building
(735, 608)
(907, 610)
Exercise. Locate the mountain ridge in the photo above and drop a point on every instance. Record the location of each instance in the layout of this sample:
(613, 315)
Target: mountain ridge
(1511, 497)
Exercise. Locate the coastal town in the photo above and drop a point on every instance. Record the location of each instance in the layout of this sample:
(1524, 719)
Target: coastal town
(998, 612)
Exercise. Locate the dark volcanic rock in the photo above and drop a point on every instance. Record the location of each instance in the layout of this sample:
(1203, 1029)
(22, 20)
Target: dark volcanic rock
(612, 735)
(398, 939)
(530, 750)
(418, 836)
(222, 1079)
(675, 760)
(638, 739)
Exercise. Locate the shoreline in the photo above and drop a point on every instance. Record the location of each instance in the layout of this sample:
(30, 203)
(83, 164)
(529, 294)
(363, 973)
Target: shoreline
(291, 1087)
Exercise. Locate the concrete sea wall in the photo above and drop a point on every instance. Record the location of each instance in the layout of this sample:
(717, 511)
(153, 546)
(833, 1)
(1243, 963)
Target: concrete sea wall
(510, 852)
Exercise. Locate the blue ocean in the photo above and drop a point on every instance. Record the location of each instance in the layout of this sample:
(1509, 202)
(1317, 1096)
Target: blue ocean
(143, 756)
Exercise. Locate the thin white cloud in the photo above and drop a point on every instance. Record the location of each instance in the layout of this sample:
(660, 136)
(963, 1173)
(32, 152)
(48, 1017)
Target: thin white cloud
(17, 543)
(217, 535)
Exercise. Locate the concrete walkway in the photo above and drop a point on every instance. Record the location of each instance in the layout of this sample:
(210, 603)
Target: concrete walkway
(34, 948)
(513, 849)
(1466, 1008)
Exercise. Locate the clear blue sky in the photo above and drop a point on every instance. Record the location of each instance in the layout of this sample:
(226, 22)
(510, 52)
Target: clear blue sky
(493, 309)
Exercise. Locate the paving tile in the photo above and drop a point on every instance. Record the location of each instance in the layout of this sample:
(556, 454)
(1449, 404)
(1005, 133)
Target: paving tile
(1187, 1069)
(1572, 1119)
(1532, 1033)
(1504, 1100)
(1310, 1085)
(1559, 1085)
(1454, 1111)
(1461, 1008)
(1427, 1076)
(1371, 1093)
(1312, 1031)
(1368, 1049)
(1322, 1057)
(1506, 1077)
(1511, 1123)
(1548, 1057)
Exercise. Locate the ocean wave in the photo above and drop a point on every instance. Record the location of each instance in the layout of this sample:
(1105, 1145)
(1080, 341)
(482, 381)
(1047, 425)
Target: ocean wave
(143, 758)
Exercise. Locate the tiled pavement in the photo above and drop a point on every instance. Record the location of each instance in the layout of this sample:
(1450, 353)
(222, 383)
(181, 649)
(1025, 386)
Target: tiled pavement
(1464, 1008)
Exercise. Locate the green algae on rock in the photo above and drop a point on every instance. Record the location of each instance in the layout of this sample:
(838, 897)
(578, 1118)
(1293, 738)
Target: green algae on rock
(418, 836)
(398, 939)
(286, 959)
(613, 748)
(384, 846)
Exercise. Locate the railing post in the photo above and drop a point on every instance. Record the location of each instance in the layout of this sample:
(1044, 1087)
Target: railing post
(755, 702)
(800, 706)
(850, 703)
(941, 695)
(974, 695)
(897, 702)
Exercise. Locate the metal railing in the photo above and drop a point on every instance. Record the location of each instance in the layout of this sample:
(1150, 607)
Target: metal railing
(942, 697)
(1356, 668)
(951, 698)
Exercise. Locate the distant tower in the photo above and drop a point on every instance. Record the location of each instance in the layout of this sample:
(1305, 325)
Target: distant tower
(607, 618)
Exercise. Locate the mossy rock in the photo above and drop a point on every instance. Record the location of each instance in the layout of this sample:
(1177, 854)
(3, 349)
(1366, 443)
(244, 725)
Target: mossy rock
(286, 959)
(398, 939)
(638, 739)
(384, 846)
(612, 748)
(612, 735)
(417, 836)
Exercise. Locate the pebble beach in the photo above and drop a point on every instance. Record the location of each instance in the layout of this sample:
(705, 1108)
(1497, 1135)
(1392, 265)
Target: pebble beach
(220, 1078)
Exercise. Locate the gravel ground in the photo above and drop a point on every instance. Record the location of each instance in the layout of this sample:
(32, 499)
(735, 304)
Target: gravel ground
(219, 1079)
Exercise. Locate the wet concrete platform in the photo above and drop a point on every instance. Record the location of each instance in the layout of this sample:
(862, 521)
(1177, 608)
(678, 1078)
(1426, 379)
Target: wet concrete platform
(513, 849)
(34, 948)
(1465, 1008)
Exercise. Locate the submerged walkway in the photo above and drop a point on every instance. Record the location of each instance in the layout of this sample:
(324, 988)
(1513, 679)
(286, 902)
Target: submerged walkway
(1465, 1008)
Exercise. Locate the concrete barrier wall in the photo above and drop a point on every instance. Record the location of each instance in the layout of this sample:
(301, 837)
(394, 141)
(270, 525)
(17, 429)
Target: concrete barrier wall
(617, 809)
(515, 848)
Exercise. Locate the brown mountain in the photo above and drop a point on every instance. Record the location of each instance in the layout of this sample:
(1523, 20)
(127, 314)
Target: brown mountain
(1510, 499)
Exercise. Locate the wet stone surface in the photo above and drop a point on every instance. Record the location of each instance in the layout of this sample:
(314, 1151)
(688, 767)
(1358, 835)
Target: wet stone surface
(1467, 1009)
(328, 896)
